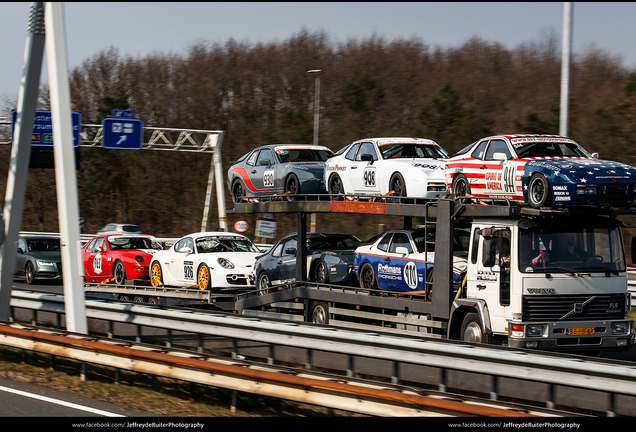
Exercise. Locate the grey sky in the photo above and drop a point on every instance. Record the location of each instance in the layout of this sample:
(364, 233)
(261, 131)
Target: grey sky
(138, 29)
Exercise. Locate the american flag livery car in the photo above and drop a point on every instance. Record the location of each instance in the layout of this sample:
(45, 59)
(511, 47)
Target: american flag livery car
(278, 169)
(541, 170)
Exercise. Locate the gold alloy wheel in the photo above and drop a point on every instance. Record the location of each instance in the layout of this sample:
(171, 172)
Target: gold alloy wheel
(203, 277)
(155, 275)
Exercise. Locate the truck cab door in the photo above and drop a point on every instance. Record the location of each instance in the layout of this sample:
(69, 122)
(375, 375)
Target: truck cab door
(491, 280)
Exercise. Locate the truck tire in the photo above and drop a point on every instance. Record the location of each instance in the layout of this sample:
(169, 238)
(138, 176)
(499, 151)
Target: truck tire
(321, 272)
(367, 277)
(156, 275)
(319, 312)
(119, 273)
(124, 297)
(472, 331)
(203, 277)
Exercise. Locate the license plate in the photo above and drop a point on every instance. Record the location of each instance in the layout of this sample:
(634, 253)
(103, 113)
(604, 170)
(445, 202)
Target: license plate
(578, 331)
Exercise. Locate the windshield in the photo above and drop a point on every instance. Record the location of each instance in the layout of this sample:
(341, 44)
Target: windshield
(225, 244)
(120, 243)
(303, 155)
(332, 243)
(542, 149)
(566, 248)
(43, 245)
(406, 150)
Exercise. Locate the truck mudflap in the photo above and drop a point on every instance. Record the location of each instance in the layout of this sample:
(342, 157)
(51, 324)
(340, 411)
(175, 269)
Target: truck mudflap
(602, 335)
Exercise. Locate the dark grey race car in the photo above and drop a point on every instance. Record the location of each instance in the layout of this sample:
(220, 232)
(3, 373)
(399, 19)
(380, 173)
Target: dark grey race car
(278, 169)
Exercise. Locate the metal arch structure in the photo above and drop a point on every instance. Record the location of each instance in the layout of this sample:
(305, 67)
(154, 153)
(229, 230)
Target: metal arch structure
(173, 139)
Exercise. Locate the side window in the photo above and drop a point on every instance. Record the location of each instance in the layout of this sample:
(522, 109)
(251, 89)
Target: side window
(384, 243)
(366, 149)
(475, 246)
(478, 153)
(184, 246)
(352, 152)
(288, 245)
(22, 245)
(400, 240)
(252, 159)
(100, 243)
(266, 154)
(497, 146)
(277, 250)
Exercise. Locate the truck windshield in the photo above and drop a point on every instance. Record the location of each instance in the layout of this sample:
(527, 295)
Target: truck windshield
(565, 248)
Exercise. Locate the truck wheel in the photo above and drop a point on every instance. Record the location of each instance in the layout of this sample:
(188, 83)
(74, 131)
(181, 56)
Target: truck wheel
(319, 313)
(321, 272)
(539, 191)
(203, 277)
(119, 273)
(461, 187)
(472, 330)
(156, 276)
(124, 298)
(367, 277)
(138, 299)
(397, 185)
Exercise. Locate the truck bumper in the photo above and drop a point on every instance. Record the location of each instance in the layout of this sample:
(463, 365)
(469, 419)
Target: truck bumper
(609, 335)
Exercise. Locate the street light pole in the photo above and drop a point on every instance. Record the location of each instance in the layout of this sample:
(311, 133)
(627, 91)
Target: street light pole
(312, 227)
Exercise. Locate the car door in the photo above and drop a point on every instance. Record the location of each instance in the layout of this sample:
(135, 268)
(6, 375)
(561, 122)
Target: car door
(364, 170)
(93, 260)
(21, 257)
(402, 268)
(182, 262)
(263, 172)
(286, 264)
(500, 170)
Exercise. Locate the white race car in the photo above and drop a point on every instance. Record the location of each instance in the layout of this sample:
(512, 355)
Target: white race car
(208, 261)
(412, 167)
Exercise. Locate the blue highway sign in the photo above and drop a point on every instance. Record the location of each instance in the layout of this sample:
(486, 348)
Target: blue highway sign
(43, 128)
(122, 133)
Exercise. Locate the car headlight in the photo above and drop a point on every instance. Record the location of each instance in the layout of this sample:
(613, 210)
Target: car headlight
(585, 189)
(225, 263)
(45, 263)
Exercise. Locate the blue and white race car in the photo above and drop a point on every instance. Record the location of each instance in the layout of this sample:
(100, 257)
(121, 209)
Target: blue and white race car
(407, 167)
(404, 259)
(541, 170)
(279, 169)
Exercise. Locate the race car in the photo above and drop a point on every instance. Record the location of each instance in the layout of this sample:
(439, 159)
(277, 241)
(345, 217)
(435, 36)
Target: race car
(412, 167)
(540, 170)
(404, 260)
(118, 257)
(279, 169)
(208, 261)
(329, 260)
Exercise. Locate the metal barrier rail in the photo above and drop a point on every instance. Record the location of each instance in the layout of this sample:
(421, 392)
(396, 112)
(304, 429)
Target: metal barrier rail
(358, 396)
(553, 369)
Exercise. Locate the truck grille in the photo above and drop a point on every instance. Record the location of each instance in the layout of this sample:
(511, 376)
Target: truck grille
(573, 307)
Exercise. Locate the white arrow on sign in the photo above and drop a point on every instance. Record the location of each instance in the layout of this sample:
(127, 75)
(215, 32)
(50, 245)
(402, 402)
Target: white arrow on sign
(121, 139)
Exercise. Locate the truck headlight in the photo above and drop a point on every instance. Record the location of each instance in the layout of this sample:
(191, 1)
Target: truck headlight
(534, 330)
(619, 328)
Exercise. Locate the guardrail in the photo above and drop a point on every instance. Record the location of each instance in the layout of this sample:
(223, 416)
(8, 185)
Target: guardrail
(551, 369)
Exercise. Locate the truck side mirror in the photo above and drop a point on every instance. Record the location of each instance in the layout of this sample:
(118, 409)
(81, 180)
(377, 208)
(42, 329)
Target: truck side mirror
(633, 250)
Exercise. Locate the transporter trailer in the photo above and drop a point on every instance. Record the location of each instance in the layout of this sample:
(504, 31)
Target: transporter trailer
(530, 297)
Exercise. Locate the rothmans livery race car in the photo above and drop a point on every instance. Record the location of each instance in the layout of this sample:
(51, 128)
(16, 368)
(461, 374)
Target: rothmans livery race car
(412, 167)
(207, 261)
(279, 169)
(541, 170)
(404, 260)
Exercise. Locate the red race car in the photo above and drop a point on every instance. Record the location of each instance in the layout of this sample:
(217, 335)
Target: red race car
(117, 257)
